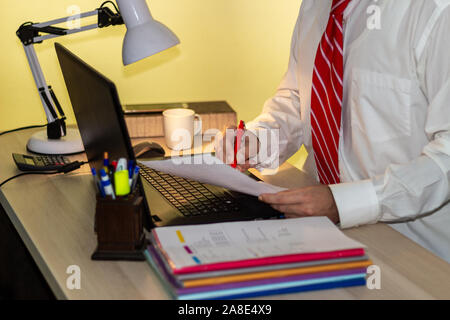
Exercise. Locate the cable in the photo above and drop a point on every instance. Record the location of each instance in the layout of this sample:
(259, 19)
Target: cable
(28, 23)
(115, 7)
(27, 173)
(23, 128)
(72, 166)
(64, 169)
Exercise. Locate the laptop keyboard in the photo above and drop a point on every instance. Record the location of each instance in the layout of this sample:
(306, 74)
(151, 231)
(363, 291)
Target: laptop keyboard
(191, 198)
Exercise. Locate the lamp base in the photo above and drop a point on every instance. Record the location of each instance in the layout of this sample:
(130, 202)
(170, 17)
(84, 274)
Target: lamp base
(70, 144)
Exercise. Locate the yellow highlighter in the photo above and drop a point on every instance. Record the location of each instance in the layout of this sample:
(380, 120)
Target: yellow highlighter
(122, 183)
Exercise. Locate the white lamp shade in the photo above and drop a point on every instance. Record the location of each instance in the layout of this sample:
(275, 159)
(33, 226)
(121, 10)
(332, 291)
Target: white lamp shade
(145, 36)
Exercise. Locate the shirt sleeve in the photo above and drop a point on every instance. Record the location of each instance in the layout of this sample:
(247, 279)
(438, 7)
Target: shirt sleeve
(409, 191)
(281, 114)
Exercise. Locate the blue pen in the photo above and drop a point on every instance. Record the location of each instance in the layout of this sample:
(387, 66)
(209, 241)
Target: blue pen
(130, 171)
(97, 182)
(135, 178)
(131, 168)
(106, 184)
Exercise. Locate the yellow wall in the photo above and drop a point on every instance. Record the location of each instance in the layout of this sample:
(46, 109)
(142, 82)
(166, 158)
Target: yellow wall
(235, 50)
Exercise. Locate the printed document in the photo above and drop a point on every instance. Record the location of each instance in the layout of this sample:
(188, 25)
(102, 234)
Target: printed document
(206, 168)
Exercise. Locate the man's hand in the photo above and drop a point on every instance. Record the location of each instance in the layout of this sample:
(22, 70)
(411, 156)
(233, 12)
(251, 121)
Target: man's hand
(224, 148)
(304, 202)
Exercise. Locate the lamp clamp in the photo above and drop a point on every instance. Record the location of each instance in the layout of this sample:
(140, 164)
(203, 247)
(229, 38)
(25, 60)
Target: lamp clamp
(106, 17)
(28, 31)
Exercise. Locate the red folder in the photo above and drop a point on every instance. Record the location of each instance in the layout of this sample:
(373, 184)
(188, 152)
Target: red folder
(269, 261)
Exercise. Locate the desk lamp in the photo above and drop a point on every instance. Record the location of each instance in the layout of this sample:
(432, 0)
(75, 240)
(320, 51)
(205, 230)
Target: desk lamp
(144, 37)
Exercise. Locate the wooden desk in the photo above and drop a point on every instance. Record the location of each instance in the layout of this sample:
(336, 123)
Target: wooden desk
(54, 216)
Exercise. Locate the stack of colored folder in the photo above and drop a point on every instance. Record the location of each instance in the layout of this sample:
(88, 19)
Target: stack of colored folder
(248, 259)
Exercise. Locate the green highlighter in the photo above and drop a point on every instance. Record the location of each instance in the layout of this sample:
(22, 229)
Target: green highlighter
(122, 183)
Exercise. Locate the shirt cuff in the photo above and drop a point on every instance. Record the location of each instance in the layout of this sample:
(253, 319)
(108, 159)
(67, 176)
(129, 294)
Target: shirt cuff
(357, 203)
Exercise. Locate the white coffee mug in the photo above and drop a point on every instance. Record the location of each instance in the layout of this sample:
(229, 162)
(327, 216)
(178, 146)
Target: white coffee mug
(180, 127)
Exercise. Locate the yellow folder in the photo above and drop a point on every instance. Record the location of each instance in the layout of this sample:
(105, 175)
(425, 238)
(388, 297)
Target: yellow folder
(275, 274)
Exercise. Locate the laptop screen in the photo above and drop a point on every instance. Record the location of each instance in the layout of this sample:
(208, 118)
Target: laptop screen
(97, 110)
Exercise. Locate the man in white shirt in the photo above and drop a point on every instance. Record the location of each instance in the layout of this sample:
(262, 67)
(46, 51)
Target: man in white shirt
(392, 155)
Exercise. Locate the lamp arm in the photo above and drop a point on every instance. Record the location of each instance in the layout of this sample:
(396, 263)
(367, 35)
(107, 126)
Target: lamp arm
(30, 34)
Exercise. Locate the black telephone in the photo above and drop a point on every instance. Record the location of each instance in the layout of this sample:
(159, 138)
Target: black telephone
(41, 163)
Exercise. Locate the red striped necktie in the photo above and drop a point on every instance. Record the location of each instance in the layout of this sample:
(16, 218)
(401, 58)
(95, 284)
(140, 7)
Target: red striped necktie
(326, 97)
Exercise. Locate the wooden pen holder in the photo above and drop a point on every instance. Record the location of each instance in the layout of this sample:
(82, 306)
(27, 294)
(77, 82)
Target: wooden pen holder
(119, 228)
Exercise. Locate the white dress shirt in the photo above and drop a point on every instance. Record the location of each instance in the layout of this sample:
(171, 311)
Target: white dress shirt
(394, 152)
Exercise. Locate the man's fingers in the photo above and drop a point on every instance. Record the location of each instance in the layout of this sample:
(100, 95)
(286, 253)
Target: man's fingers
(283, 198)
(218, 146)
(251, 145)
(228, 144)
(225, 144)
(248, 149)
(229, 150)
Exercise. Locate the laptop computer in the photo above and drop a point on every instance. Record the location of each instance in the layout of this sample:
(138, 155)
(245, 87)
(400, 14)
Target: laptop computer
(170, 200)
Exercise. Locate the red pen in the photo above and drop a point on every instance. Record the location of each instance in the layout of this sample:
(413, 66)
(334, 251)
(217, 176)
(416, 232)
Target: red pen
(237, 142)
(114, 164)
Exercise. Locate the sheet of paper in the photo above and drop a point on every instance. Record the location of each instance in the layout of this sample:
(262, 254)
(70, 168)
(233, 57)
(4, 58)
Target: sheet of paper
(206, 168)
(233, 241)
